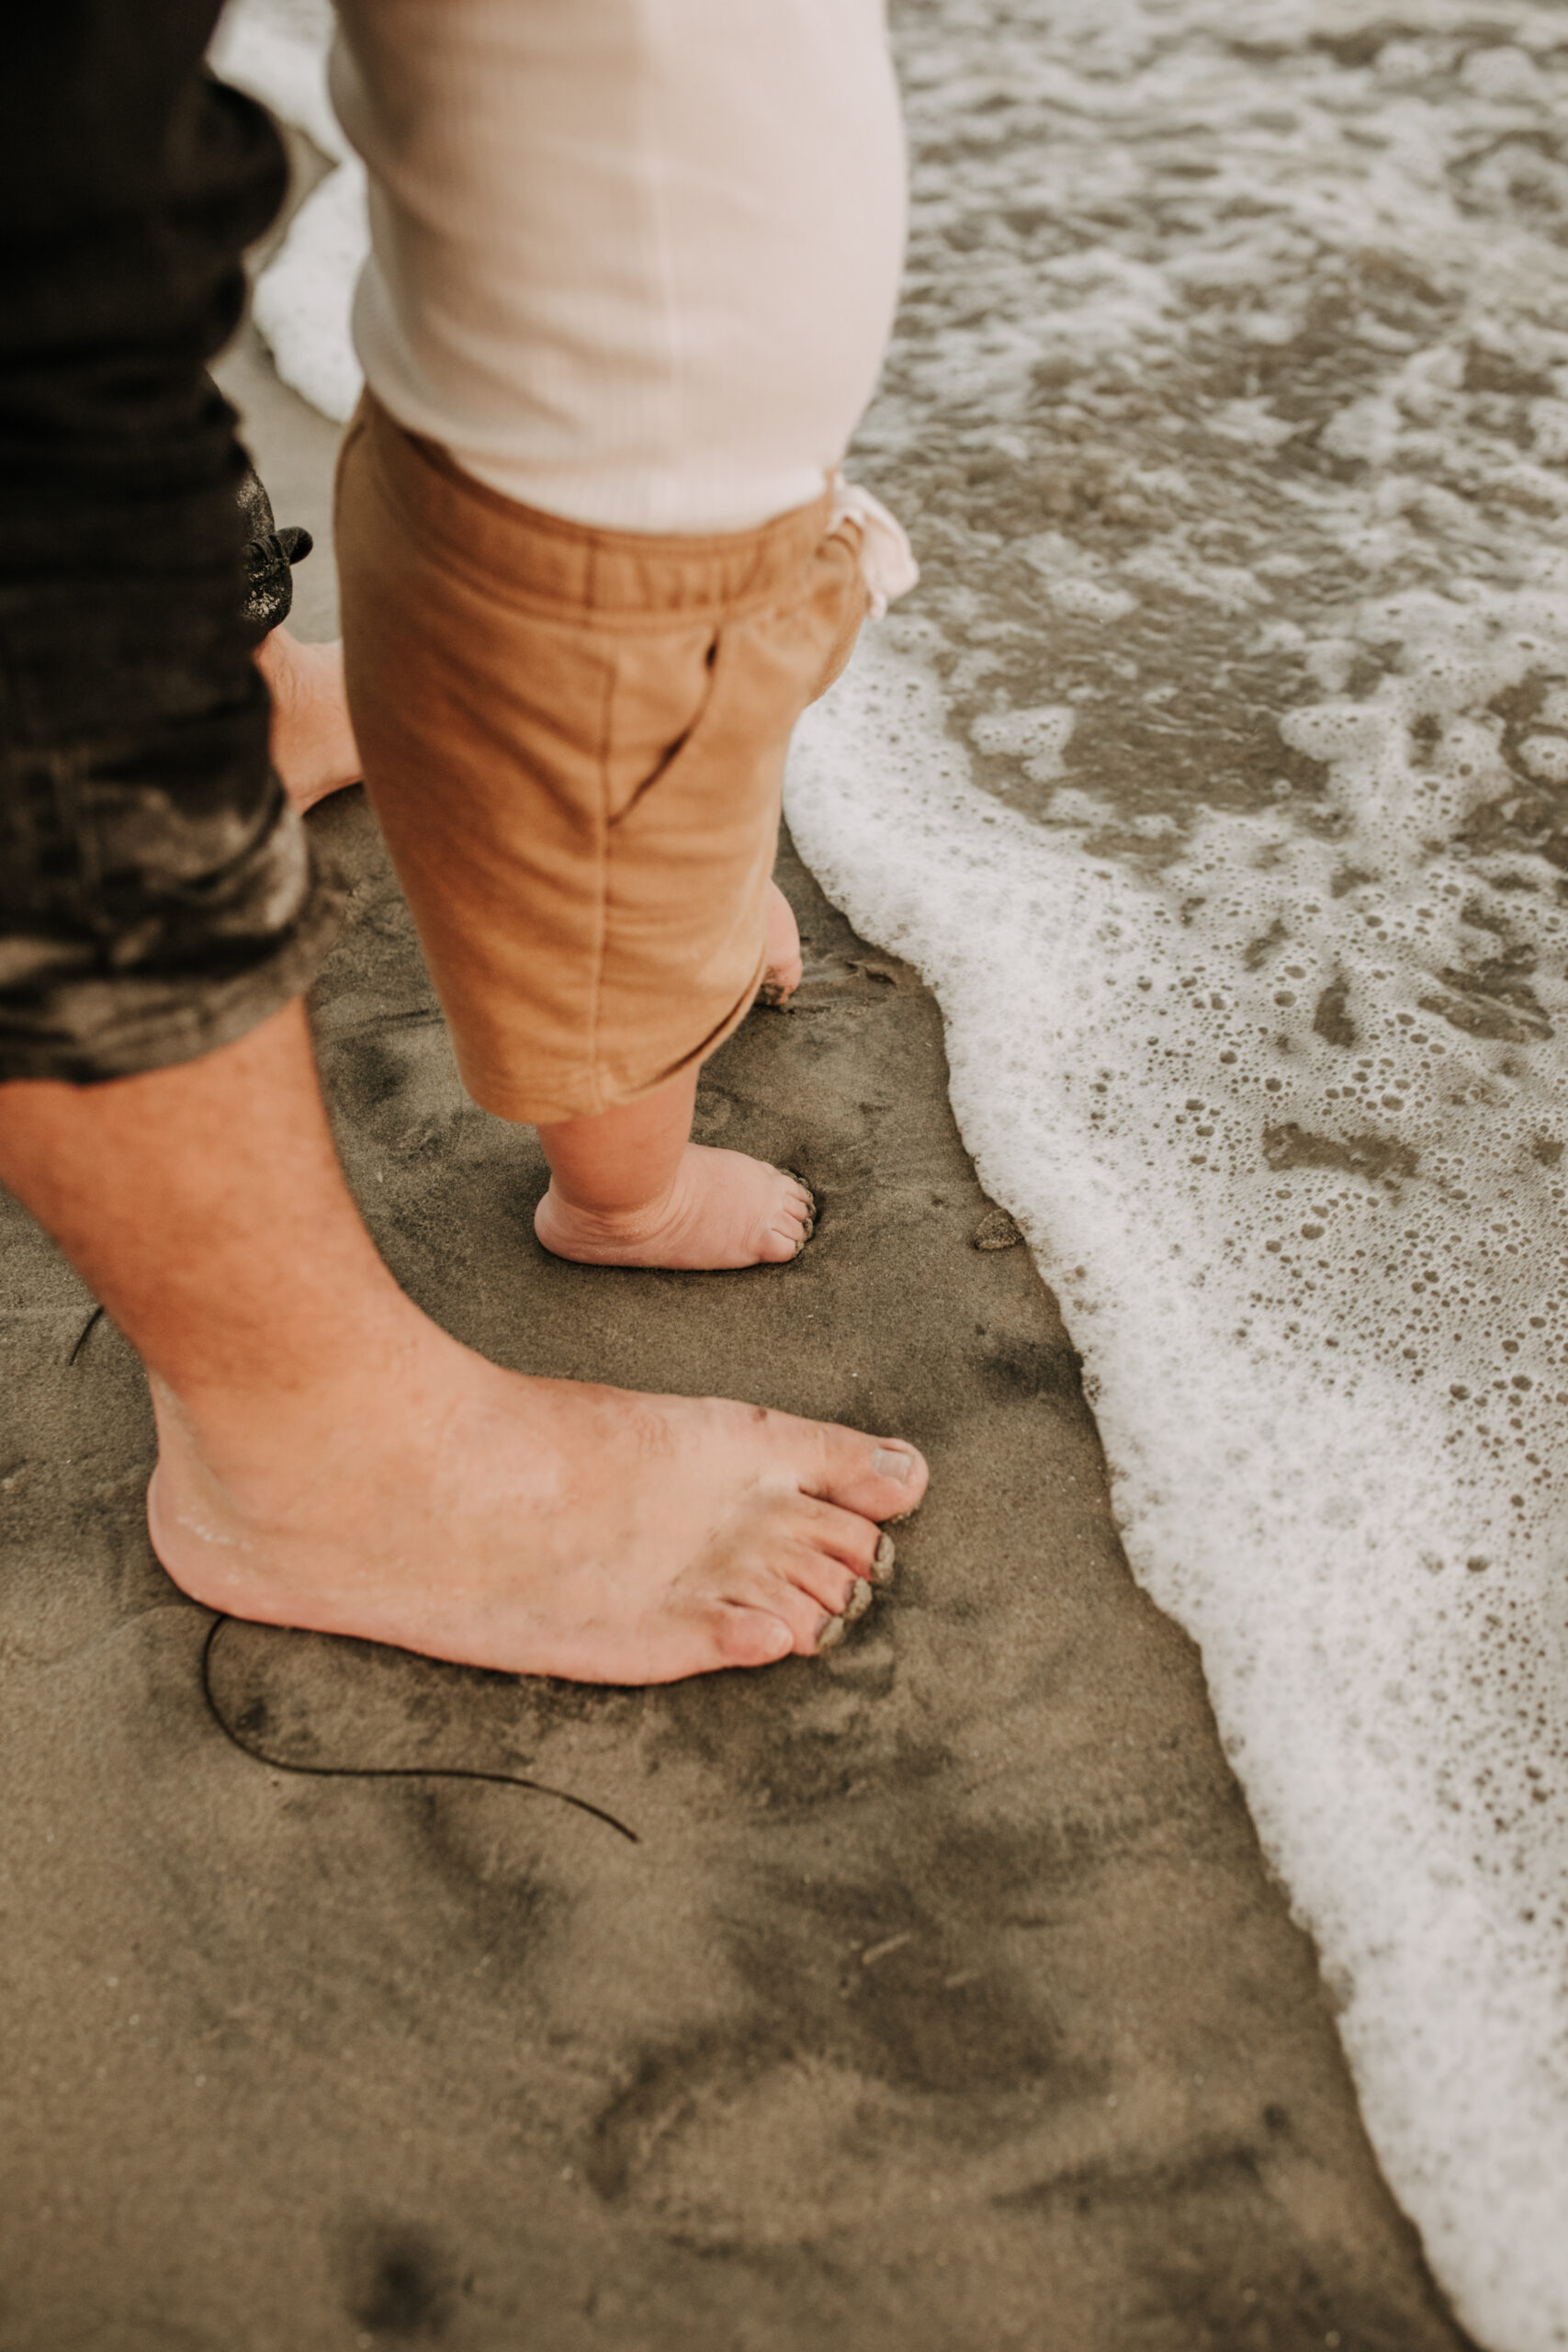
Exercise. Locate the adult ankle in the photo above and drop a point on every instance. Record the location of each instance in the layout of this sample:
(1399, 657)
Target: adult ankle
(293, 1410)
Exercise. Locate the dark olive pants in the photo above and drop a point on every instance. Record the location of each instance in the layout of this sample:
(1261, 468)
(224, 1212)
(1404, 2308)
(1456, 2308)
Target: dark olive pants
(157, 895)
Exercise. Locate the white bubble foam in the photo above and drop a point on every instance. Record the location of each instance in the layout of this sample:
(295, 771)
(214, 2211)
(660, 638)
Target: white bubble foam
(1321, 1290)
(277, 50)
(300, 301)
(1091, 598)
(1037, 738)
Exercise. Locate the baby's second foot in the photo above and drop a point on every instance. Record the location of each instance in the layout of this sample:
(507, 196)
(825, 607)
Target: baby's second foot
(312, 742)
(723, 1210)
(785, 968)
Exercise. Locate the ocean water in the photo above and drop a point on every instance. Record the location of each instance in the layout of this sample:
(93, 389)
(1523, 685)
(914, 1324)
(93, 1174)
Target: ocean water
(1216, 777)
(277, 51)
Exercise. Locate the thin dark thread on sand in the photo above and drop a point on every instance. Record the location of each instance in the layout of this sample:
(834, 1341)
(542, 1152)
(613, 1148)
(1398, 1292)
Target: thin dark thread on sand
(85, 1333)
(384, 1771)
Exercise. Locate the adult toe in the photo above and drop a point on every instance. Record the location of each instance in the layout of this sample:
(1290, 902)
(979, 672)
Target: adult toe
(876, 1478)
(826, 1579)
(746, 1636)
(847, 1536)
(784, 1590)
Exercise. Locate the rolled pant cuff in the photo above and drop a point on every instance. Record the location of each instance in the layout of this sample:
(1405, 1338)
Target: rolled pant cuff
(86, 1027)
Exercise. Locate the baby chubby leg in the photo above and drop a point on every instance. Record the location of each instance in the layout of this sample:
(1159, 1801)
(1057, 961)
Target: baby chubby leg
(629, 1188)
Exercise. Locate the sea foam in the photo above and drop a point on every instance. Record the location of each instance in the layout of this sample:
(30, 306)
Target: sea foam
(1321, 1292)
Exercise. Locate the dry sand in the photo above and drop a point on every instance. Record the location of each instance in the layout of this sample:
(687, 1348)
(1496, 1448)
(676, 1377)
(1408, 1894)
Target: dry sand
(940, 1997)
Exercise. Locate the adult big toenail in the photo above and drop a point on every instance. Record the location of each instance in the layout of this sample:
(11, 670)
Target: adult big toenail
(881, 1568)
(860, 1599)
(832, 1633)
(888, 1465)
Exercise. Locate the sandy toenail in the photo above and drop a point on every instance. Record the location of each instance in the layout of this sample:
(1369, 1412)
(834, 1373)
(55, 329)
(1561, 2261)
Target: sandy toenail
(809, 1219)
(888, 1465)
(881, 1568)
(832, 1633)
(860, 1599)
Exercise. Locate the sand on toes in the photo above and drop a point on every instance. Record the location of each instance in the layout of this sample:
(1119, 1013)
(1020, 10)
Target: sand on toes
(723, 1211)
(536, 1526)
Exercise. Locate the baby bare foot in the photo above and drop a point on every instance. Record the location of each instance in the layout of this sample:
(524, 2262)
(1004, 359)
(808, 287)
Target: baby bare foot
(723, 1210)
(312, 742)
(784, 967)
(533, 1526)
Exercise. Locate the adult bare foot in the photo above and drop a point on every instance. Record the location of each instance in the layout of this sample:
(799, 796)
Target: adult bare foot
(313, 748)
(721, 1211)
(784, 967)
(536, 1526)
(329, 1458)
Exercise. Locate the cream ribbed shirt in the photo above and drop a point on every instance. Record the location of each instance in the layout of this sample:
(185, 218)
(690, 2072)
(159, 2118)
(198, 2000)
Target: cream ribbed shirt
(633, 261)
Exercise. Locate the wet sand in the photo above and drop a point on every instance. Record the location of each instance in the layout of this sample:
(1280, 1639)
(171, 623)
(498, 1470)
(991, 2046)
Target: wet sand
(931, 1994)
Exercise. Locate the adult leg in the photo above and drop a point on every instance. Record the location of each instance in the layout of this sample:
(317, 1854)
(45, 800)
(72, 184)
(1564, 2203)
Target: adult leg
(329, 1459)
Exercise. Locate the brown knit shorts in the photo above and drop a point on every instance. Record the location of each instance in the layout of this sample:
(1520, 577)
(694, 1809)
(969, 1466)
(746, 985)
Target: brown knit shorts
(574, 740)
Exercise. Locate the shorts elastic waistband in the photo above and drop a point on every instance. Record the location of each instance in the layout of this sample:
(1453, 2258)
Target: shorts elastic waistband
(527, 557)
